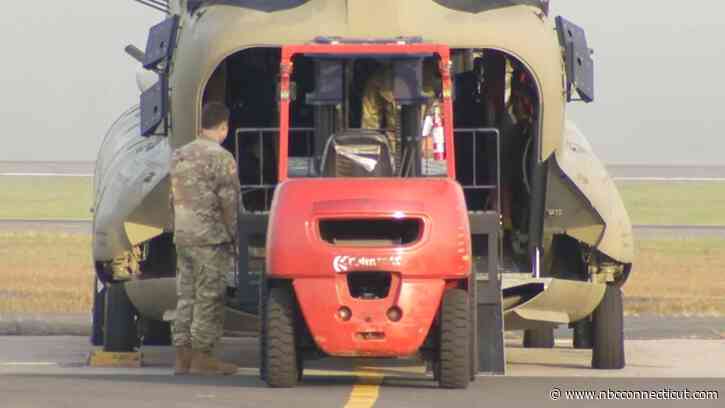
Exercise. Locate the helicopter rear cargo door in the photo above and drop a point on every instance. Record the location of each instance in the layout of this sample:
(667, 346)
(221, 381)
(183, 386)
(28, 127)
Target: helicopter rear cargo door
(583, 201)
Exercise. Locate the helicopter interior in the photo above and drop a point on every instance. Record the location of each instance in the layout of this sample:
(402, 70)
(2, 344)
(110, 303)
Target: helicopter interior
(496, 108)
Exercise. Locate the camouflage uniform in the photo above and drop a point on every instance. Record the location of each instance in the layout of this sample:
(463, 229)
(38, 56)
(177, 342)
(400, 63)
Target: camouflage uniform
(378, 103)
(379, 109)
(201, 285)
(205, 197)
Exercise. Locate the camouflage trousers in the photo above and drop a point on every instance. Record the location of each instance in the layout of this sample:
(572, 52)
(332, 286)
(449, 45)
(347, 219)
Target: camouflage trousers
(201, 286)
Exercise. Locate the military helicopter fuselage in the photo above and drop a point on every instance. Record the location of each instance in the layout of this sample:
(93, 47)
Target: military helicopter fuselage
(549, 233)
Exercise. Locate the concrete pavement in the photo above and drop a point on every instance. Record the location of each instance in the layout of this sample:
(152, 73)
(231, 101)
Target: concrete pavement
(50, 372)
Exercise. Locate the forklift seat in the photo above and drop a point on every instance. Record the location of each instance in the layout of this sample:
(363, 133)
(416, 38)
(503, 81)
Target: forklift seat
(358, 153)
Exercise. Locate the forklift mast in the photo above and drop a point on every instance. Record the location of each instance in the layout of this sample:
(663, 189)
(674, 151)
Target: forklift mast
(401, 50)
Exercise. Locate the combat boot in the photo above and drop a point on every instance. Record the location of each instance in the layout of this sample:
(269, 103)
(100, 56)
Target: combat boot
(206, 364)
(183, 360)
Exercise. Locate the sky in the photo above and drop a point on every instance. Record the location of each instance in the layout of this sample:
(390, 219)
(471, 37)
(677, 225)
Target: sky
(64, 75)
(660, 77)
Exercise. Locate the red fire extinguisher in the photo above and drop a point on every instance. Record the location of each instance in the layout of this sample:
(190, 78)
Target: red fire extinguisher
(433, 127)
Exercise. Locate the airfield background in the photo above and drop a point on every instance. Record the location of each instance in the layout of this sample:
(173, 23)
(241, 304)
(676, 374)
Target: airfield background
(659, 72)
(65, 78)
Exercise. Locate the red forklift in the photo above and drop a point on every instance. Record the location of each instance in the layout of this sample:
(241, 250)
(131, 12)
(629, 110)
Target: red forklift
(369, 246)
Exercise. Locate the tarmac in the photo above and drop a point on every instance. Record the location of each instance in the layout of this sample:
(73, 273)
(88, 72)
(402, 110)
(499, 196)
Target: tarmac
(663, 355)
(648, 327)
(51, 372)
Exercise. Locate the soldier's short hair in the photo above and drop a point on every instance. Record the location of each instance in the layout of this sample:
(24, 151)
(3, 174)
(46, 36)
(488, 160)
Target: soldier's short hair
(213, 115)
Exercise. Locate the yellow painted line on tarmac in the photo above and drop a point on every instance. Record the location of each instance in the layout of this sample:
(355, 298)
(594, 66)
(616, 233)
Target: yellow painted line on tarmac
(367, 389)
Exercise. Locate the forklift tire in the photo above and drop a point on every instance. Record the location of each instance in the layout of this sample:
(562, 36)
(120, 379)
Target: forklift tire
(608, 331)
(280, 352)
(119, 329)
(539, 338)
(583, 334)
(455, 351)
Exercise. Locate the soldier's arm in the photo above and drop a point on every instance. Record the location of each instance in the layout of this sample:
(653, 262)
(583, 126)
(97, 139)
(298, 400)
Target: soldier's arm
(228, 191)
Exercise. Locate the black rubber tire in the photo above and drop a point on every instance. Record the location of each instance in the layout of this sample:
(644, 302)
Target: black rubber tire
(99, 313)
(455, 336)
(119, 329)
(279, 342)
(608, 331)
(582, 334)
(473, 304)
(539, 338)
(263, 332)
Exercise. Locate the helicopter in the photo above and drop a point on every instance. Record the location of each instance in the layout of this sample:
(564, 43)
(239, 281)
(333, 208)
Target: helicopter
(339, 92)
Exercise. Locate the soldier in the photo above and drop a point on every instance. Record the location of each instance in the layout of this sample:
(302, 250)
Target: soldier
(205, 196)
(379, 109)
(378, 105)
